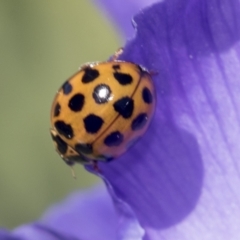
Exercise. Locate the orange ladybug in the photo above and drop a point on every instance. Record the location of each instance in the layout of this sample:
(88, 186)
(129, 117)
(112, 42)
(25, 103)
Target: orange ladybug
(100, 111)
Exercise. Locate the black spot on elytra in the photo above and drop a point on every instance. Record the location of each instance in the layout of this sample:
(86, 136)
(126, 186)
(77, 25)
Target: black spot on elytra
(93, 123)
(84, 148)
(61, 145)
(57, 110)
(76, 102)
(89, 75)
(67, 88)
(116, 67)
(123, 78)
(114, 139)
(124, 107)
(139, 122)
(147, 95)
(64, 129)
(101, 93)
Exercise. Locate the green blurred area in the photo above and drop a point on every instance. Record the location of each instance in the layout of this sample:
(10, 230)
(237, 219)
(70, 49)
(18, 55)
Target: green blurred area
(41, 44)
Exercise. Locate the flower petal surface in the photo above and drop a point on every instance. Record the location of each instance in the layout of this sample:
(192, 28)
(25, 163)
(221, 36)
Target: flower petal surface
(182, 178)
(121, 12)
(85, 215)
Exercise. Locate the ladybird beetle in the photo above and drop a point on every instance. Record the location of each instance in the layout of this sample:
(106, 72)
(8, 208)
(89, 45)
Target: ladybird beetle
(100, 111)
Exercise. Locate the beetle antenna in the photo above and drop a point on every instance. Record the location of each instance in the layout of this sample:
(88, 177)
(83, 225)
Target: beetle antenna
(73, 173)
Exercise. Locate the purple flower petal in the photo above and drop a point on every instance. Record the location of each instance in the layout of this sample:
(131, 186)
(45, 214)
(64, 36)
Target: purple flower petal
(39, 231)
(5, 235)
(122, 12)
(86, 215)
(182, 178)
